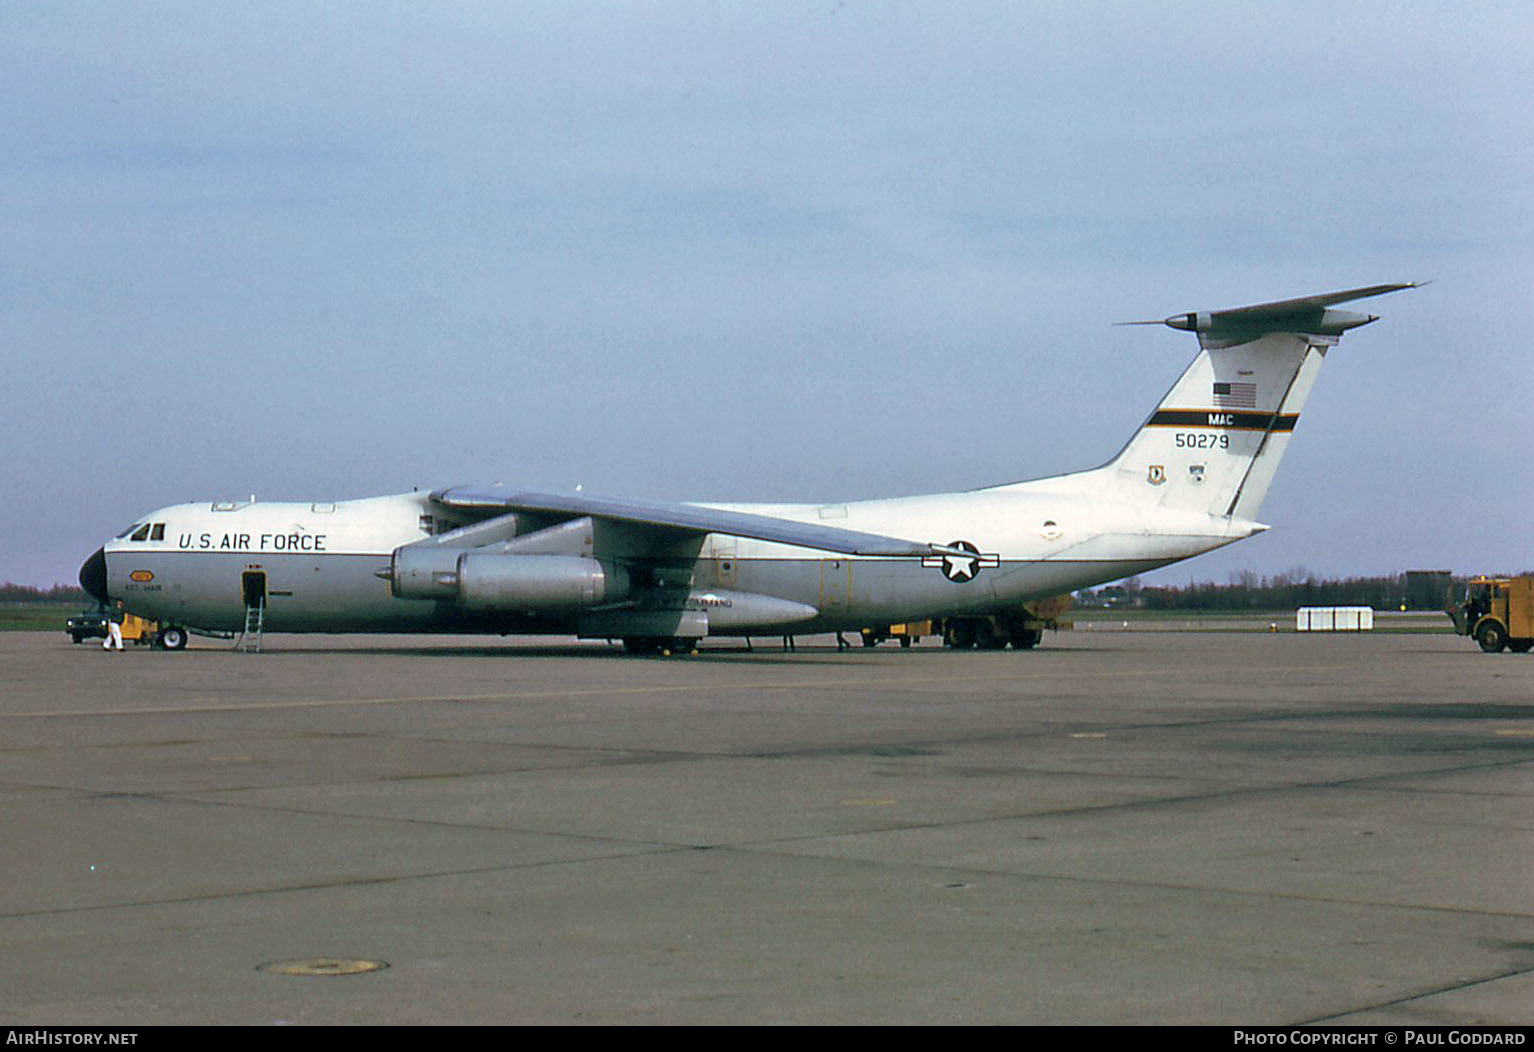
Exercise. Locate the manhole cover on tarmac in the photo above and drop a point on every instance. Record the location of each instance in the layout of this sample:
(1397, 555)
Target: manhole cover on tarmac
(323, 966)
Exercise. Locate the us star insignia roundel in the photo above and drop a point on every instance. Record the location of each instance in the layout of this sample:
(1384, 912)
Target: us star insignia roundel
(960, 568)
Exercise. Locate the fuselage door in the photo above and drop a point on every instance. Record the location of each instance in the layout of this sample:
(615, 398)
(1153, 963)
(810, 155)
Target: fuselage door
(253, 588)
(835, 585)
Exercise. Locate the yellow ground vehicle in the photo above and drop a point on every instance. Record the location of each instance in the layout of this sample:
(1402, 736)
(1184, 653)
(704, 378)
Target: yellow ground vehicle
(906, 632)
(1497, 612)
(139, 631)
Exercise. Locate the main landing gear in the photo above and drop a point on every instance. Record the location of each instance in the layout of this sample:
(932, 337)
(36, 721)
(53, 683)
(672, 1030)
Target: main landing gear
(986, 633)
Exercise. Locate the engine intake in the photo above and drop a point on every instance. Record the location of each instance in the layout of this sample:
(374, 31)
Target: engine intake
(424, 573)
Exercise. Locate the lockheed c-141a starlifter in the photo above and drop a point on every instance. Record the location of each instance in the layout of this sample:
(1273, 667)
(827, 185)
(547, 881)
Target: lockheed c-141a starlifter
(663, 575)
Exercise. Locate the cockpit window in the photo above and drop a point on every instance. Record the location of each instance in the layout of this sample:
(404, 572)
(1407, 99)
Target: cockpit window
(125, 533)
(140, 533)
(158, 532)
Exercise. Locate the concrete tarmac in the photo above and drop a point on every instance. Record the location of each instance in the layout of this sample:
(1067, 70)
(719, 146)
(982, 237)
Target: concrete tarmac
(1116, 828)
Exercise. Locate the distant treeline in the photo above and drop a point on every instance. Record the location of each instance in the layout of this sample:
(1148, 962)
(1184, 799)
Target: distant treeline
(59, 593)
(1285, 591)
(1245, 591)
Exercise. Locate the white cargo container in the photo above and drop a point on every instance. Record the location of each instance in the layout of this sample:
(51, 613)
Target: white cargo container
(1334, 619)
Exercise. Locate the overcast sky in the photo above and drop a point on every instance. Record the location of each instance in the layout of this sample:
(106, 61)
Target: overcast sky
(787, 251)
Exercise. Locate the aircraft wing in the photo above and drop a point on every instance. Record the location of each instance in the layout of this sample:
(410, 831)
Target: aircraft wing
(685, 519)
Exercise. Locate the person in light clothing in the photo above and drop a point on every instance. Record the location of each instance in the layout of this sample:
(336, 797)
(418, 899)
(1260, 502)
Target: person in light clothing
(114, 628)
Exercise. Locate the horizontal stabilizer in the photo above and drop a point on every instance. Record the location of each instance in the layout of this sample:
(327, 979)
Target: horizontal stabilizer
(1308, 315)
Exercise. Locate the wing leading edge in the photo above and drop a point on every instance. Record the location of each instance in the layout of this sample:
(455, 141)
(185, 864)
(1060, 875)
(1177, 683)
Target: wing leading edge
(685, 518)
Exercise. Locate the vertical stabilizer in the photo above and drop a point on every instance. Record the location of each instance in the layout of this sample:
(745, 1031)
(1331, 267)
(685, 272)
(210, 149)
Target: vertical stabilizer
(1214, 442)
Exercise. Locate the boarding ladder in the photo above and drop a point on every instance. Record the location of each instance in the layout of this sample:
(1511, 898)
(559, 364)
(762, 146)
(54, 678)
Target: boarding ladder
(255, 617)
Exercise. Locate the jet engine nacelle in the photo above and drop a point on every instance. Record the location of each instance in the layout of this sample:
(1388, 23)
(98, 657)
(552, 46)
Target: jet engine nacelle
(424, 573)
(492, 581)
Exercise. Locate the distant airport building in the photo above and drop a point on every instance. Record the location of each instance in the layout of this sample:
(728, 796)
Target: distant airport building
(1427, 589)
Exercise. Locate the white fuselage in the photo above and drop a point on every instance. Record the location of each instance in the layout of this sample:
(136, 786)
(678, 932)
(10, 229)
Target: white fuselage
(323, 566)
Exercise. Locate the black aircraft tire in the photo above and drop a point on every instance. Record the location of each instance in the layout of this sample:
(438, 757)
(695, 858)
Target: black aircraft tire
(1026, 638)
(173, 638)
(1491, 636)
(959, 634)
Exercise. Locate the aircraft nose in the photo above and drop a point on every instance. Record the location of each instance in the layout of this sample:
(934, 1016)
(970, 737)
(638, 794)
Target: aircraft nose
(93, 576)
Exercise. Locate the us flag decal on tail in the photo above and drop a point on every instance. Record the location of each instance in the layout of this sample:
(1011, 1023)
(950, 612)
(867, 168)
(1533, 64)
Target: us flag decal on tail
(1235, 395)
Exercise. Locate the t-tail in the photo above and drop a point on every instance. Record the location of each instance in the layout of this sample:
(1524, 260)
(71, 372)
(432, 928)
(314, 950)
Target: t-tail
(1214, 442)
